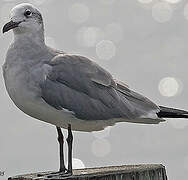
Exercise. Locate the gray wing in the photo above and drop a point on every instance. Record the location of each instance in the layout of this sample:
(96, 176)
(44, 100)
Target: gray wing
(80, 85)
(142, 105)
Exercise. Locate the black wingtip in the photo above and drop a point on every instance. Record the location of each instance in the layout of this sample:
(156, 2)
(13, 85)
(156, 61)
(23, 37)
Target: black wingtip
(166, 112)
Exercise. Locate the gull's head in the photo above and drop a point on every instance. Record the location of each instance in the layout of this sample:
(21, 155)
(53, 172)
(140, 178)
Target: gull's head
(24, 18)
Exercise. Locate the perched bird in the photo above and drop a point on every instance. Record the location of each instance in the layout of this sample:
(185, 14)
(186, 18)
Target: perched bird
(68, 91)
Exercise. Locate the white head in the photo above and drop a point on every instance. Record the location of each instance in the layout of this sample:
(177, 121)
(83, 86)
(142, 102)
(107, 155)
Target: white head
(25, 19)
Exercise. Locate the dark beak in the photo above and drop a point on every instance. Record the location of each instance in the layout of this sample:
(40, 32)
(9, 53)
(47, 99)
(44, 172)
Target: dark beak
(10, 25)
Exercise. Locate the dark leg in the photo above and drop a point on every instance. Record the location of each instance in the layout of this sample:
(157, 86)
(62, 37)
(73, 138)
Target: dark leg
(61, 143)
(69, 141)
(62, 171)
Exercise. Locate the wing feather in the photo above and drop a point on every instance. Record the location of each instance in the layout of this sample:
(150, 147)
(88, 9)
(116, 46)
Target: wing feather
(80, 85)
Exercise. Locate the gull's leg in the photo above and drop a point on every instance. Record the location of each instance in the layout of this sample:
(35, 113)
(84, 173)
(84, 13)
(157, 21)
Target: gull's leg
(69, 141)
(62, 170)
(61, 152)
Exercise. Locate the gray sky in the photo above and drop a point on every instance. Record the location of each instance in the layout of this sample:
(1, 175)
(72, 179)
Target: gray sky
(142, 43)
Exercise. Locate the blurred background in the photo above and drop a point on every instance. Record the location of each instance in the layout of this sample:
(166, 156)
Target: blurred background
(142, 43)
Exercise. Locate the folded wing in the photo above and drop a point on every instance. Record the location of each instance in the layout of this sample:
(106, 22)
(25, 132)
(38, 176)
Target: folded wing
(80, 85)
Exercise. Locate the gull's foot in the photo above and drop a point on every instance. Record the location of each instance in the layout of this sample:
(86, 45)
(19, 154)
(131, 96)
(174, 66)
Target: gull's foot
(53, 175)
(59, 174)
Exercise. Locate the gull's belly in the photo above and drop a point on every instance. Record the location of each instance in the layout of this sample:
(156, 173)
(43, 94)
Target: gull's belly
(40, 110)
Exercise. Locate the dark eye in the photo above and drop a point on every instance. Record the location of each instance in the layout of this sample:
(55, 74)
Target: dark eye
(28, 13)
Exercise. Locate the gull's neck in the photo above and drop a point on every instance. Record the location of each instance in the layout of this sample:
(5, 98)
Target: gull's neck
(36, 38)
(30, 47)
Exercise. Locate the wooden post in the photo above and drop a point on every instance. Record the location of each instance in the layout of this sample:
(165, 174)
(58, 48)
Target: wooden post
(128, 172)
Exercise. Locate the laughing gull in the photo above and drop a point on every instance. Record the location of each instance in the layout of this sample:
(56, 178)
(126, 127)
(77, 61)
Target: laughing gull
(68, 91)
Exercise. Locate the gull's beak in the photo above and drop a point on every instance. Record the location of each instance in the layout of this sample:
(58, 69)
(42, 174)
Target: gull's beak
(10, 25)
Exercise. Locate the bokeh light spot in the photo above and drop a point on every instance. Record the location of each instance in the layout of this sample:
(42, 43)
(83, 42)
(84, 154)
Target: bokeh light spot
(77, 164)
(162, 12)
(89, 36)
(105, 49)
(168, 86)
(101, 147)
(79, 13)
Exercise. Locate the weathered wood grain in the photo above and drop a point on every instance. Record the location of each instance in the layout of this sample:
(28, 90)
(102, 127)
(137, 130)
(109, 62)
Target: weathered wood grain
(126, 172)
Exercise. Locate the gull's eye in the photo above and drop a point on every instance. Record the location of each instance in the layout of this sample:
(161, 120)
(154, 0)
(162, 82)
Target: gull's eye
(27, 13)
